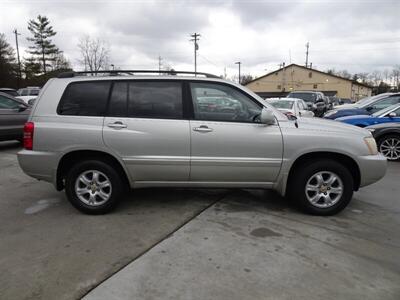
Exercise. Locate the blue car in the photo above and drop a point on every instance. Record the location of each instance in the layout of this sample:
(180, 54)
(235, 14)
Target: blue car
(365, 106)
(389, 114)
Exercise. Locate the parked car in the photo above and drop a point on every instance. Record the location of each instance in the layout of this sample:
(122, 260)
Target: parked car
(386, 115)
(388, 138)
(9, 91)
(28, 93)
(316, 101)
(291, 107)
(13, 115)
(96, 136)
(365, 108)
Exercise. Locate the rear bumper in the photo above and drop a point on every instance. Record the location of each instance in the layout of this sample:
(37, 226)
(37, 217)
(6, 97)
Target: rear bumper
(41, 165)
(372, 168)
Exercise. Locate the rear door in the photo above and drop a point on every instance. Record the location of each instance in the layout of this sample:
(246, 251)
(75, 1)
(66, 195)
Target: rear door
(144, 126)
(229, 145)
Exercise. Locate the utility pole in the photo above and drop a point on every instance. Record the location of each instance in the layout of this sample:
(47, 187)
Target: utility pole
(307, 47)
(19, 61)
(238, 63)
(195, 38)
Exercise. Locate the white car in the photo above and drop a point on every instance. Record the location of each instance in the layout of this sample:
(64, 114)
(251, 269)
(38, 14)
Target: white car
(28, 93)
(291, 107)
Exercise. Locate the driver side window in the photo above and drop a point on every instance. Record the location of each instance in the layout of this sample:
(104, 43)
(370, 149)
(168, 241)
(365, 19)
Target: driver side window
(217, 102)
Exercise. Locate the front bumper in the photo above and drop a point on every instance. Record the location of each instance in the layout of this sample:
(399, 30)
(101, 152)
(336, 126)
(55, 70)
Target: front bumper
(372, 168)
(41, 165)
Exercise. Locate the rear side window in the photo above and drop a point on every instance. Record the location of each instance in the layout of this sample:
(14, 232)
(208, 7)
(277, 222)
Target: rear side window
(6, 103)
(85, 99)
(146, 99)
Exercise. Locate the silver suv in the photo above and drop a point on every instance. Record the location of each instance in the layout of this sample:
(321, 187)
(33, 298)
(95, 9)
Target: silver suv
(96, 136)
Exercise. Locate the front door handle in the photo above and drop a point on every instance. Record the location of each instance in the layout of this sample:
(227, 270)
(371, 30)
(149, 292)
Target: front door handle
(117, 125)
(203, 128)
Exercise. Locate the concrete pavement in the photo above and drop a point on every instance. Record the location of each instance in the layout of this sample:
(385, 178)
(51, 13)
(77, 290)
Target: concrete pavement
(251, 245)
(49, 250)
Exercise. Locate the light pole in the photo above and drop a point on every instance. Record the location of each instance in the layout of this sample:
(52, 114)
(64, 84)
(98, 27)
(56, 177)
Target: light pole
(238, 63)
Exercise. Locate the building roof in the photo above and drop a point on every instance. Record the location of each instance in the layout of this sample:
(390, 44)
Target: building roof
(314, 70)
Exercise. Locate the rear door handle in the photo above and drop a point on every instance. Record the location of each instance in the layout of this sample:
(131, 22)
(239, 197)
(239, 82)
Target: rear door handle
(203, 128)
(117, 125)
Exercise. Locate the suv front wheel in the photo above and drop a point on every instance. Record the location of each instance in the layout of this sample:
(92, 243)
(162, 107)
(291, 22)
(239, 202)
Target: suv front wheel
(323, 187)
(93, 187)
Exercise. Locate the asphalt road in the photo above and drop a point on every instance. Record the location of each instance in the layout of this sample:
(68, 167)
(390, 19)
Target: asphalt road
(188, 244)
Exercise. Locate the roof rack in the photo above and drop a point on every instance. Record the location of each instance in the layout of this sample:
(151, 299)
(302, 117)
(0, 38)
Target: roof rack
(132, 72)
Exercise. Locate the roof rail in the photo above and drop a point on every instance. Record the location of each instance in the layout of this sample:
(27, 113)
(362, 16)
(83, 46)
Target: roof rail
(131, 72)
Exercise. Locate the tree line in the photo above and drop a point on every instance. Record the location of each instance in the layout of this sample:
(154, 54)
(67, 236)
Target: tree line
(43, 59)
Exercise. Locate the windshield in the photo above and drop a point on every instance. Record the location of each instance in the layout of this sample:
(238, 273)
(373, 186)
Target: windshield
(282, 104)
(308, 97)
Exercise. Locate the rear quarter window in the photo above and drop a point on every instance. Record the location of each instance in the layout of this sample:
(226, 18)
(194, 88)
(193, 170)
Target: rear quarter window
(85, 99)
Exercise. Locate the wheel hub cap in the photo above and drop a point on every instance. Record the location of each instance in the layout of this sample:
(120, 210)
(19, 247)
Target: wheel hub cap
(324, 189)
(93, 188)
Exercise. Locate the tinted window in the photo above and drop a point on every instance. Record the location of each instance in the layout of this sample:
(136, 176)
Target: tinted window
(155, 100)
(85, 99)
(146, 99)
(118, 106)
(6, 103)
(217, 102)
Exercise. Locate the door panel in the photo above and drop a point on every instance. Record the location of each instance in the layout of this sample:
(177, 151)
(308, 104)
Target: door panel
(240, 152)
(151, 149)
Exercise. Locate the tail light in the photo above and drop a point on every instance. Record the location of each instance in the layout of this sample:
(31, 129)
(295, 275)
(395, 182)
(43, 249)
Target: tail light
(28, 135)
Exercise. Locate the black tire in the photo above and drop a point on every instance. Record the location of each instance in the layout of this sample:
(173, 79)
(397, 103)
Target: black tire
(115, 191)
(387, 138)
(304, 172)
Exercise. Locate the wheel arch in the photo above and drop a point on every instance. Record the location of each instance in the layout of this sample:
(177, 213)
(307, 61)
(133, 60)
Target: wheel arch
(346, 160)
(70, 158)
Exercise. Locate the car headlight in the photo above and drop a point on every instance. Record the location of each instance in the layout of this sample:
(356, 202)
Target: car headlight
(371, 144)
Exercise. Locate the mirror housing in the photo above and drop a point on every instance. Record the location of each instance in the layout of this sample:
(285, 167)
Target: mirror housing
(392, 115)
(267, 116)
(22, 107)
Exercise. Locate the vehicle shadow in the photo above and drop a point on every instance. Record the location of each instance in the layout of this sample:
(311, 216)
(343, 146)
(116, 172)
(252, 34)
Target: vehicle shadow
(10, 145)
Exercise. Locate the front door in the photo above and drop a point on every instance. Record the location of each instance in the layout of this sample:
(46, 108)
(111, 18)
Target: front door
(144, 126)
(227, 143)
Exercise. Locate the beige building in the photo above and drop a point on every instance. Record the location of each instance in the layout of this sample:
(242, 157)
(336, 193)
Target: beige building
(298, 78)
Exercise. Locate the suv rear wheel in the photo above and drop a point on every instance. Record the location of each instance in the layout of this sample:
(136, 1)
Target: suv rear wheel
(93, 187)
(323, 187)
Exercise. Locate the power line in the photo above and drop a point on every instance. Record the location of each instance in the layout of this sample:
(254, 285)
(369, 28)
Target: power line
(195, 38)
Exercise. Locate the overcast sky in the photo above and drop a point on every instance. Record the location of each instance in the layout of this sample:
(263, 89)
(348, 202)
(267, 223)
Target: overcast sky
(359, 36)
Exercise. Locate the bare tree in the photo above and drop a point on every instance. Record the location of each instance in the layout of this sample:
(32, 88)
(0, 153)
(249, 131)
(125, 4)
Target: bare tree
(396, 76)
(94, 54)
(375, 77)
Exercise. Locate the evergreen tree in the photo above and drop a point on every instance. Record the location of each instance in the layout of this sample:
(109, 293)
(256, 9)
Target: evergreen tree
(8, 66)
(31, 68)
(42, 48)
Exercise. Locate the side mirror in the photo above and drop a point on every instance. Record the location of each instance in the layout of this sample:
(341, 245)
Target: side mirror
(369, 108)
(22, 107)
(267, 117)
(392, 115)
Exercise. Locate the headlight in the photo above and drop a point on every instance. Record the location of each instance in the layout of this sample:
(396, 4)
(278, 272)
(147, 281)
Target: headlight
(371, 144)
